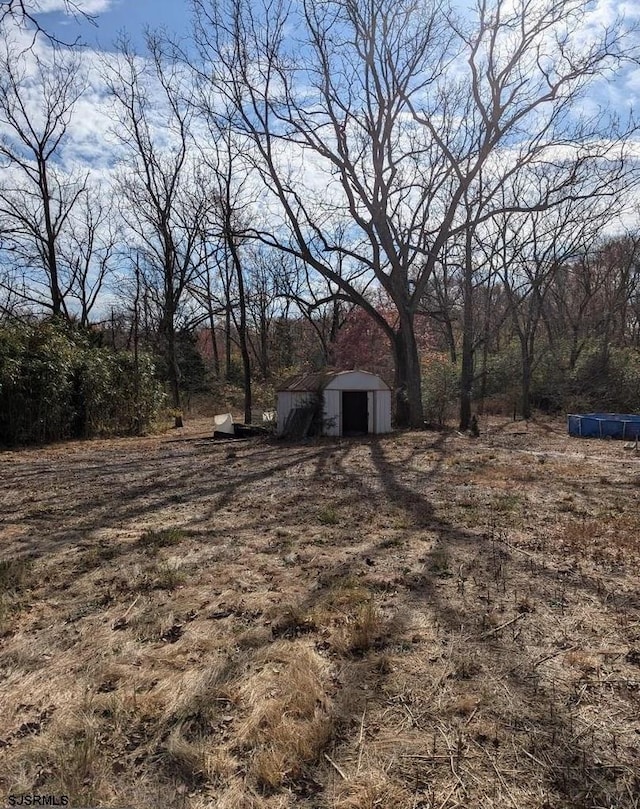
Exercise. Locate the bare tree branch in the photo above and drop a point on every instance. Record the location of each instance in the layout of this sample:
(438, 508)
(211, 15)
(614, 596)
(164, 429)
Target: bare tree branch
(24, 14)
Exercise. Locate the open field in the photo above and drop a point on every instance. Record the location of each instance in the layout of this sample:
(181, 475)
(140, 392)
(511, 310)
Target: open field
(417, 620)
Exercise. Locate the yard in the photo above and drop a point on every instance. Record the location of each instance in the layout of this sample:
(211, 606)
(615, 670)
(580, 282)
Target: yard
(405, 621)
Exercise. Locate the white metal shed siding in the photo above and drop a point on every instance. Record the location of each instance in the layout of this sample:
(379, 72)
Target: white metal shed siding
(378, 401)
(382, 399)
(288, 400)
(332, 412)
(356, 380)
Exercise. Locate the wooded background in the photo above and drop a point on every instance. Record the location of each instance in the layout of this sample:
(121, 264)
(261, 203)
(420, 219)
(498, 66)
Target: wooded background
(448, 200)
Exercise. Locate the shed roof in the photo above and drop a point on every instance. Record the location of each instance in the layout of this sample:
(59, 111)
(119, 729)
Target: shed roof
(313, 382)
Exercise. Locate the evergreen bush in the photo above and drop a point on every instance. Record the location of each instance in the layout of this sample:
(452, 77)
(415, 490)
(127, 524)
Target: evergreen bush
(56, 382)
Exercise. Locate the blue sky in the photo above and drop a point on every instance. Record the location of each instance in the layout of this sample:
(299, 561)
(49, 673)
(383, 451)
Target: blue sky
(114, 16)
(91, 142)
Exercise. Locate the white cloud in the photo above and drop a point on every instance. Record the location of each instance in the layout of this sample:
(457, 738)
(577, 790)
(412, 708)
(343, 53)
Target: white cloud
(83, 6)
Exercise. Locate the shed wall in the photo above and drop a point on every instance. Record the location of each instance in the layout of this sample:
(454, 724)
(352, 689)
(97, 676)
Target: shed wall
(382, 411)
(288, 400)
(332, 412)
(378, 402)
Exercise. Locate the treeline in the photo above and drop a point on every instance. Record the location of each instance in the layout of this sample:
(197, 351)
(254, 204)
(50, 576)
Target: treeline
(60, 379)
(550, 335)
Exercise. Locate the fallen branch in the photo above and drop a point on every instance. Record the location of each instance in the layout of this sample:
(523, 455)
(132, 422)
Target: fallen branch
(338, 769)
(503, 626)
(121, 622)
(554, 654)
(364, 712)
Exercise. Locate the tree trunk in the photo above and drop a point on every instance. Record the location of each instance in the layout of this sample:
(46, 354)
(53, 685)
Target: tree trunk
(468, 337)
(214, 341)
(174, 374)
(137, 420)
(241, 325)
(52, 258)
(264, 346)
(246, 373)
(526, 383)
(466, 380)
(409, 411)
(170, 354)
(484, 375)
(227, 342)
(466, 371)
(451, 340)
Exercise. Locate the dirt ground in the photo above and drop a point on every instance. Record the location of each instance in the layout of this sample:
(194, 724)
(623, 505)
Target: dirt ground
(413, 620)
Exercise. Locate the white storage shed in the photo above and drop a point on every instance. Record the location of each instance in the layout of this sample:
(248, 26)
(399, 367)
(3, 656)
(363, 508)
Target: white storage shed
(353, 402)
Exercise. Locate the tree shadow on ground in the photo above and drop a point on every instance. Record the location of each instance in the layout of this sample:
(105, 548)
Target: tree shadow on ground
(560, 753)
(467, 584)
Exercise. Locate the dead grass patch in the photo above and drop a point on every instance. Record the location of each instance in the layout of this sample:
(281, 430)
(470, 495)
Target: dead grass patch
(14, 578)
(163, 575)
(288, 721)
(371, 790)
(184, 759)
(364, 629)
(430, 622)
(67, 759)
(343, 593)
(328, 516)
(292, 621)
(14, 574)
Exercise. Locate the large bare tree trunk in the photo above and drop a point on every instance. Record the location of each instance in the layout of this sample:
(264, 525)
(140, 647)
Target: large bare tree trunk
(409, 411)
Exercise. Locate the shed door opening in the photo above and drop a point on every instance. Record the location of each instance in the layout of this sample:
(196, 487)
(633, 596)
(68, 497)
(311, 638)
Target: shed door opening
(355, 418)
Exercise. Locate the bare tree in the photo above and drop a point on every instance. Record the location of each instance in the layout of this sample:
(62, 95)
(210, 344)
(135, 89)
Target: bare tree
(229, 181)
(526, 254)
(616, 262)
(37, 196)
(416, 124)
(324, 307)
(89, 250)
(525, 146)
(167, 204)
(210, 290)
(265, 287)
(442, 299)
(24, 15)
(594, 296)
(359, 63)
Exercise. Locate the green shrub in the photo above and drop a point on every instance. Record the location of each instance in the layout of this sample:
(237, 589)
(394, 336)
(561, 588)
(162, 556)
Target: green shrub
(604, 378)
(607, 379)
(36, 382)
(121, 396)
(56, 383)
(440, 387)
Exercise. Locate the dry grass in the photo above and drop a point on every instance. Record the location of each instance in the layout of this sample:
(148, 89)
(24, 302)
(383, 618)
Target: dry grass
(14, 575)
(413, 622)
